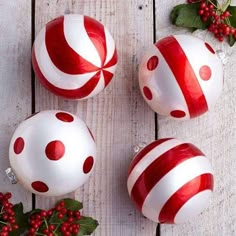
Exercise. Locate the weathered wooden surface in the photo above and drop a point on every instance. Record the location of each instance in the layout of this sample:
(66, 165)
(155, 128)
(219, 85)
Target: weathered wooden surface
(15, 77)
(214, 133)
(118, 116)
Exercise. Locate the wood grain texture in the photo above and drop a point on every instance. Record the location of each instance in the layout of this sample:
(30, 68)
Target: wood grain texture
(214, 133)
(118, 116)
(15, 89)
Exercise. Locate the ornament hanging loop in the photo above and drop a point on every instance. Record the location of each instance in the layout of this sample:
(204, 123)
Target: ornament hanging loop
(138, 147)
(223, 57)
(11, 175)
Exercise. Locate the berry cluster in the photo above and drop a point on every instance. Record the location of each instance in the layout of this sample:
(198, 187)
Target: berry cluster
(218, 18)
(7, 215)
(58, 219)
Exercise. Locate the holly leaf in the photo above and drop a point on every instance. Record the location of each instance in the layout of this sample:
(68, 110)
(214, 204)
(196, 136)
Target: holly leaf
(87, 226)
(21, 220)
(232, 19)
(186, 15)
(72, 205)
(231, 40)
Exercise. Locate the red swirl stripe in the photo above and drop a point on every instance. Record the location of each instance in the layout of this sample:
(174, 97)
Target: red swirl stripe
(164, 163)
(184, 75)
(96, 33)
(113, 60)
(107, 77)
(61, 54)
(78, 93)
(144, 152)
(185, 193)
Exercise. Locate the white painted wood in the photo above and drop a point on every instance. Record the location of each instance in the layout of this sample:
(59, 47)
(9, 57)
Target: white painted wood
(214, 133)
(118, 117)
(15, 79)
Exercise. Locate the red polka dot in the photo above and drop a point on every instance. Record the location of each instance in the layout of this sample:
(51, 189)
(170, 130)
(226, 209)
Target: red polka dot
(178, 114)
(147, 92)
(55, 150)
(19, 145)
(152, 63)
(210, 48)
(65, 117)
(91, 134)
(88, 164)
(205, 72)
(40, 186)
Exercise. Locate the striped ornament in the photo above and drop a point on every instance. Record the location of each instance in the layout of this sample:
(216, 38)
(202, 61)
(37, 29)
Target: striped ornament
(170, 181)
(74, 56)
(181, 76)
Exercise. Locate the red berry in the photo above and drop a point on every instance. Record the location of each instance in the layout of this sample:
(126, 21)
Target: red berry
(204, 18)
(50, 212)
(51, 227)
(200, 12)
(203, 5)
(62, 203)
(8, 195)
(63, 211)
(58, 208)
(75, 231)
(43, 213)
(70, 220)
(211, 6)
(15, 227)
(60, 216)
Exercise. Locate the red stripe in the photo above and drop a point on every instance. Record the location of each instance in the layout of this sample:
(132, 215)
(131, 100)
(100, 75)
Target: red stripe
(184, 75)
(61, 54)
(144, 152)
(79, 93)
(159, 168)
(113, 60)
(185, 193)
(96, 33)
(107, 77)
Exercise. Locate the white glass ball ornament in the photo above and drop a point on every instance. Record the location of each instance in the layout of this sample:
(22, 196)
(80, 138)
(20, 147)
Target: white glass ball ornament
(74, 56)
(170, 181)
(52, 153)
(181, 76)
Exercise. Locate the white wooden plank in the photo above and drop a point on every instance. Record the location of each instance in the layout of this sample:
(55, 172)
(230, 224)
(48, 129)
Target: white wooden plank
(214, 133)
(15, 89)
(118, 117)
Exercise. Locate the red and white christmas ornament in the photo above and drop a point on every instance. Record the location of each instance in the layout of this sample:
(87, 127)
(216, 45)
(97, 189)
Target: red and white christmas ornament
(52, 153)
(170, 181)
(74, 56)
(181, 76)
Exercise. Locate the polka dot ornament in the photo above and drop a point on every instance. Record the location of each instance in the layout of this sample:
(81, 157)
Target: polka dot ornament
(52, 153)
(181, 76)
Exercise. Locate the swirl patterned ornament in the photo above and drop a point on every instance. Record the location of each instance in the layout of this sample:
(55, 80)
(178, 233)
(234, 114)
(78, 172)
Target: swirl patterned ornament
(52, 153)
(170, 181)
(74, 56)
(181, 76)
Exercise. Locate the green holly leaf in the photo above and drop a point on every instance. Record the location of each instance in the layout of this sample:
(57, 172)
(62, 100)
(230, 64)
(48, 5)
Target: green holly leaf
(186, 15)
(231, 40)
(21, 220)
(87, 226)
(72, 205)
(232, 18)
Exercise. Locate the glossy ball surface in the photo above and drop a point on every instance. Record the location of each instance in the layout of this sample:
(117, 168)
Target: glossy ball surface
(74, 56)
(170, 181)
(181, 76)
(52, 153)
